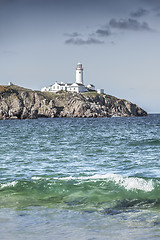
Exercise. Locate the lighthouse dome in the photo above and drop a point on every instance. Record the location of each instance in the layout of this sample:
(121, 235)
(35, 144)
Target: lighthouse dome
(79, 65)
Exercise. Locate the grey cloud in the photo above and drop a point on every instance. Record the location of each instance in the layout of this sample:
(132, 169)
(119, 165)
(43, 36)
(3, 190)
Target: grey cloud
(74, 34)
(103, 32)
(129, 24)
(139, 13)
(80, 41)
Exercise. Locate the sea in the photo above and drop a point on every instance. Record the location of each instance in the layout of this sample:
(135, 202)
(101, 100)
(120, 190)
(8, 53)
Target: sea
(80, 178)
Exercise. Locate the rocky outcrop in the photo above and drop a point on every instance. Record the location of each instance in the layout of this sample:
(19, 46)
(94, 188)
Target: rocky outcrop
(20, 103)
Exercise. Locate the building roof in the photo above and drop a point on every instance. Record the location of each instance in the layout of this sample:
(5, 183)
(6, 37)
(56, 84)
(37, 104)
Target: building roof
(69, 84)
(61, 84)
(78, 84)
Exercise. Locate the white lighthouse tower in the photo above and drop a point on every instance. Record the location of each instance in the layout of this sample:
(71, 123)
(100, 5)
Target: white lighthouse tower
(79, 73)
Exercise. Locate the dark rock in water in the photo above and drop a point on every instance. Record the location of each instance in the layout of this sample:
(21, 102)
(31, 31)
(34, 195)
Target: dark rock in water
(20, 103)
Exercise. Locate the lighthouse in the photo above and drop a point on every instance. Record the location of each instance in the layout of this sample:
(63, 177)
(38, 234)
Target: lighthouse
(77, 86)
(79, 73)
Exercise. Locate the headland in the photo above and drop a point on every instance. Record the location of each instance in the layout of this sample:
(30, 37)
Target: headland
(21, 103)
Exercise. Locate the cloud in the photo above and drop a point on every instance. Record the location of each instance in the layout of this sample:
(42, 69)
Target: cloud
(103, 32)
(81, 41)
(139, 13)
(77, 39)
(74, 34)
(129, 24)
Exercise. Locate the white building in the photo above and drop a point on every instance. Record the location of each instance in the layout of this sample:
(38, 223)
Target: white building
(77, 86)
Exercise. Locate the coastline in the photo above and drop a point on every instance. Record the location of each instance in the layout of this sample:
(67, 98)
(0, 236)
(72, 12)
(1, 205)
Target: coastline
(20, 103)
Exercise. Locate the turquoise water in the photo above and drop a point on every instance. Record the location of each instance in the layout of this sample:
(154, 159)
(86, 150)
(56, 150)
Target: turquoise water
(80, 178)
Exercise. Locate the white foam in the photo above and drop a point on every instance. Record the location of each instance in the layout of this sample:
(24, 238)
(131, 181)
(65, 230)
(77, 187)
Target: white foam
(36, 178)
(133, 183)
(10, 184)
(129, 183)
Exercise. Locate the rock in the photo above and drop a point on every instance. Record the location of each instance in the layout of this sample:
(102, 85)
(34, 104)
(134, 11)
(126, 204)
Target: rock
(20, 103)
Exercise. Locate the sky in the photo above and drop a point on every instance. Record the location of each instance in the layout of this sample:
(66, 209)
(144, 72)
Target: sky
(117, 42)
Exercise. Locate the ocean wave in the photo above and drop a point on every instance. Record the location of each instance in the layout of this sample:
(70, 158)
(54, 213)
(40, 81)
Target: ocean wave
(84, 192)
(129, 183)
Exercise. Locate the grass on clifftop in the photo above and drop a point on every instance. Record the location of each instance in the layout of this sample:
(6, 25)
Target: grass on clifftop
(52, 95)
(5, 88)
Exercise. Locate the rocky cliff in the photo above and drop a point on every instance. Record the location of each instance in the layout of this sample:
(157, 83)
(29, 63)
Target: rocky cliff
(21, 103)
